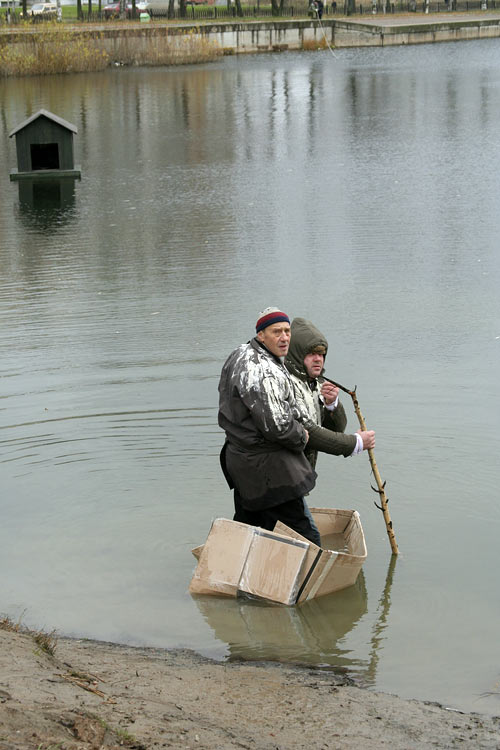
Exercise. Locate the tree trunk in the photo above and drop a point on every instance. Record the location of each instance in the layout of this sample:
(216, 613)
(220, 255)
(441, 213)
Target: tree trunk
(275, 8)
(171, 9)
(182, 8)
(239, 9)
(79, 9)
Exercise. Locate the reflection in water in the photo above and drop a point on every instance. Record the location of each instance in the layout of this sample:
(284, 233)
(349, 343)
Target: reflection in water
(46, 203)
(311, 633)
(380, 624)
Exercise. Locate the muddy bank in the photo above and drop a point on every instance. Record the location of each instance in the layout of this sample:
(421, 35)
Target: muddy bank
(91, 695)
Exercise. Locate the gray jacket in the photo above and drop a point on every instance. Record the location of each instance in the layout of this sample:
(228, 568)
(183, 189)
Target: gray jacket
(263, 456)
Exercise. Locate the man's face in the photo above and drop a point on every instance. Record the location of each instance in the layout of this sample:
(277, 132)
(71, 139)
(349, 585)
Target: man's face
(314, 364)
(276, 338)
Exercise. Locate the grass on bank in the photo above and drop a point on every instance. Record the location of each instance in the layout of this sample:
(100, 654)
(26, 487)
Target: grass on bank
(46, 642)
(55, 49)
(178, 49)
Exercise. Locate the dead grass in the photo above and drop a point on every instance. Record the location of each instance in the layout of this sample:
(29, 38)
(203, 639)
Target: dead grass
(314, 44)
(55, 49)
(46, 642)
(6, 623)
(52, 49)
(174, 49)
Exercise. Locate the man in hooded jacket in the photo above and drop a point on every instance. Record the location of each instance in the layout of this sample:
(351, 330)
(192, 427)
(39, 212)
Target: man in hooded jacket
(305, 362)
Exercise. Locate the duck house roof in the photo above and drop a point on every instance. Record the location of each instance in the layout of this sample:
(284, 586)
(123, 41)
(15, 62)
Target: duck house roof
(45, 113)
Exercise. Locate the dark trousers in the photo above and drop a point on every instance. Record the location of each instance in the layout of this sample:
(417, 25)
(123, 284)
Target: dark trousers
(290, 513)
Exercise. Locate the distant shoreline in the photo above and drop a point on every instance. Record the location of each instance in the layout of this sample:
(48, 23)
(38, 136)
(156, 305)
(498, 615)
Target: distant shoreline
(169, 43)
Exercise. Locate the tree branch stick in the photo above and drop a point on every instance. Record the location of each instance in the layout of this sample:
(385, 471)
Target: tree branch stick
(381, 485)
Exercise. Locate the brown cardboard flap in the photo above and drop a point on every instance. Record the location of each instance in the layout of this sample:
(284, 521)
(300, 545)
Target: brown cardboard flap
(222, 558)
(273, 567)
(196, 551)
(327, 571)
(311, 557)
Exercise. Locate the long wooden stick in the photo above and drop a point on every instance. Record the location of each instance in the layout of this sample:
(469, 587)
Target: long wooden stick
(381, 485)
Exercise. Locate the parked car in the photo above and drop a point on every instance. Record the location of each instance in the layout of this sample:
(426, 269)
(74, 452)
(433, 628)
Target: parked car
(112, 10)
(43, 9)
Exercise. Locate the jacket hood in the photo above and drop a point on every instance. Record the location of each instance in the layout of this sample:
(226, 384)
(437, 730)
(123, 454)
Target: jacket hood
(304, 337)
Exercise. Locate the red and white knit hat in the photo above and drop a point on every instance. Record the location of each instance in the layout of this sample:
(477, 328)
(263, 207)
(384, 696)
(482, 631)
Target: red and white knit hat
(269, 316)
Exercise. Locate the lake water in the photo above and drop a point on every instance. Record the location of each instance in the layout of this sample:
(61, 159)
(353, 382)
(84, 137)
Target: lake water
(360, 191)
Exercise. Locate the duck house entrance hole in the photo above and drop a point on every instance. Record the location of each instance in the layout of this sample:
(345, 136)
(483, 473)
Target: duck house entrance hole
(44, 156)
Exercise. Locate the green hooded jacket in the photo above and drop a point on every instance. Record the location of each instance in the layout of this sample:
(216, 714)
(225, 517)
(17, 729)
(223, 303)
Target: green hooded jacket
(328, 436)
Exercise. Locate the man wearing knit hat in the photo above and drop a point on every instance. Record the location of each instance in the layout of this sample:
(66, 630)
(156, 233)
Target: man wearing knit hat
(266, 431)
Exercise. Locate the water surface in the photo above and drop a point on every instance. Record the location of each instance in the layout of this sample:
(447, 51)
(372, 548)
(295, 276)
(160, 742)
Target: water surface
(360, 191)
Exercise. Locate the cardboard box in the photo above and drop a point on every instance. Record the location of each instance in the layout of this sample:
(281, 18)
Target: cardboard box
(241, 558)
(280, 566)
(331, 569)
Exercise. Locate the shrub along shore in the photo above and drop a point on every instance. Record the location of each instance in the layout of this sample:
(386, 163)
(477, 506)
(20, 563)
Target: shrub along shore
(59, 48)
(51, 47)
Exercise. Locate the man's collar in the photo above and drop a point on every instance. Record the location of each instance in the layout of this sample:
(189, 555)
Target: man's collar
(259, 343)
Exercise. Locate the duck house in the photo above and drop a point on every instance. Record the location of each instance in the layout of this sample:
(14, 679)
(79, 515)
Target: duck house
(44, 145)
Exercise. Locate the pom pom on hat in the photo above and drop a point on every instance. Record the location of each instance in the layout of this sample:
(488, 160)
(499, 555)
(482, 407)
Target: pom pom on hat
(269, 316)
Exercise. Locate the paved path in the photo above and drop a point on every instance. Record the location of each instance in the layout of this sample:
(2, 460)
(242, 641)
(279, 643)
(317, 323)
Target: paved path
(412, 19)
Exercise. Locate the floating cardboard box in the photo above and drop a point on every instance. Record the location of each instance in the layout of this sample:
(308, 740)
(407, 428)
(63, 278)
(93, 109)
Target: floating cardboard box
(280, 565)
(241, 558)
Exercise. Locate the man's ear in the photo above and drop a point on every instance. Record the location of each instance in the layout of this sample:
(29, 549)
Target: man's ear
(259, 336)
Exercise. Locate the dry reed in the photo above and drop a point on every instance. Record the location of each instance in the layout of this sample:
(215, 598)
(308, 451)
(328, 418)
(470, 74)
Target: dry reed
(45, 641)
(52, 49)
(171, 49)
(314, 44)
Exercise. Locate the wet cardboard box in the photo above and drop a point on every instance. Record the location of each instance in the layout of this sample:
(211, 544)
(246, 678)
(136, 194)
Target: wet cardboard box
(280, 566)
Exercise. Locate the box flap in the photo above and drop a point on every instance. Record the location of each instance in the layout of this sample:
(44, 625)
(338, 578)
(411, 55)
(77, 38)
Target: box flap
(222, 558)
(273, 567)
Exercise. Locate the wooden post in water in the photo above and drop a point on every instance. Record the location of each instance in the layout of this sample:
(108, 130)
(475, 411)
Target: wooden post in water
(380, 485)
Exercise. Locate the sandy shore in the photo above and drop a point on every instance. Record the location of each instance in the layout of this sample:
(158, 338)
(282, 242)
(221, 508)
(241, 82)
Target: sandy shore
(89, 695)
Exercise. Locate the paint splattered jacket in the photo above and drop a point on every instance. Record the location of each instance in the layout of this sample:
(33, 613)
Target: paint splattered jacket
(331, 439)
(263, 456)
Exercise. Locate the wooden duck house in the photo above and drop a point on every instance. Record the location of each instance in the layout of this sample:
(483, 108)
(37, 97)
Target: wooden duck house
(44, 145)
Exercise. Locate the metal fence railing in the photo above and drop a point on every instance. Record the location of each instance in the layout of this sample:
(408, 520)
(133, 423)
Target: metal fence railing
(217, 12)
